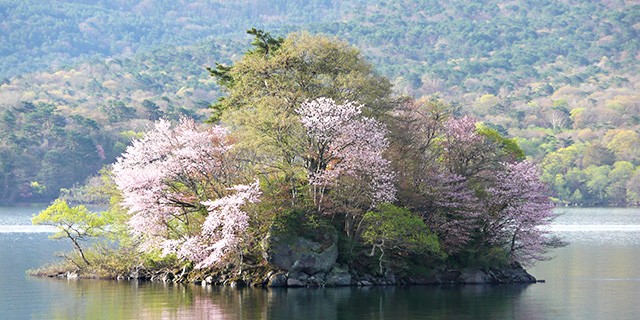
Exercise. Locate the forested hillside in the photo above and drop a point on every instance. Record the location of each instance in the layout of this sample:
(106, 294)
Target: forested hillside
(560, 76)
(38, 34)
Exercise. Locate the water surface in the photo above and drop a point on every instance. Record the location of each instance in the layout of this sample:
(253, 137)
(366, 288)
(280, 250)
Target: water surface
(595, 277)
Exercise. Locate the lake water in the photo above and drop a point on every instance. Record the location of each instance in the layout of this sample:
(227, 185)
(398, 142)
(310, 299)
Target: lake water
(596, 277)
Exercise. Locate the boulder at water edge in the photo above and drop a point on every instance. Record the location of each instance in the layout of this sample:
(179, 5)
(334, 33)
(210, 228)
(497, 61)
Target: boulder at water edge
(301, 254)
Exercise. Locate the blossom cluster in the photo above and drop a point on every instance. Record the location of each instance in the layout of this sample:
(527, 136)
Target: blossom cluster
(344, 143)
(167, 180)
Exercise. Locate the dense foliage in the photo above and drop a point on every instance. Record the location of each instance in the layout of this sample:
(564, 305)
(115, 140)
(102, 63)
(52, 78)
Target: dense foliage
(470, 185)
(43, 150)
(554, 74)
(37, 35)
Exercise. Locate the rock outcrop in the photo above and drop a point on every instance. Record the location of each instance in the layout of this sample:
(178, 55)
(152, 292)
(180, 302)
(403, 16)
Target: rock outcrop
(301, 254)
(514, 273)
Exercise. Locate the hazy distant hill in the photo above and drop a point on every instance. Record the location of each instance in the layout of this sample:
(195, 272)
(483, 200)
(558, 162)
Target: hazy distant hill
(452, 41)
(561, 76)
(37, 34)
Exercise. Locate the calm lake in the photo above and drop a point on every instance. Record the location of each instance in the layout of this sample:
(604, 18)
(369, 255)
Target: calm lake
(596, 277)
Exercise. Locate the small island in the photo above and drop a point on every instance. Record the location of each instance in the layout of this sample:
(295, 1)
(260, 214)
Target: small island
(312, 172)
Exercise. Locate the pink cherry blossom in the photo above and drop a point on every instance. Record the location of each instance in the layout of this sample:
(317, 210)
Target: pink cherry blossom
(450, 209)
(222, 231)
(519, 209)
(342, 143)
(168, 179)
(464, 151)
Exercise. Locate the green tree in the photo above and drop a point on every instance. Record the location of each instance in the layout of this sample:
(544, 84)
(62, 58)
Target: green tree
(397, 232)
(633, 187)
(625, 144)
(76, 223)
(283, 73)
(506, 149)
(596, 154)
(575, 181)
(152, 110)
(560, 161)
(117, 111)
(597, 182)
(617, 191)
(560, 187)
(577, 197)
(268, 83)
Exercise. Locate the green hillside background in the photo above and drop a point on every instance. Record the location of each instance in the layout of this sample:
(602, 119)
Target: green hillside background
(80, 79)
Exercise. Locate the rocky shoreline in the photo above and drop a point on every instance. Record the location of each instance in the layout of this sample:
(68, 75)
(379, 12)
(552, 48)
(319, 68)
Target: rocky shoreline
(338, 276)
(341, 276)
(296, 262)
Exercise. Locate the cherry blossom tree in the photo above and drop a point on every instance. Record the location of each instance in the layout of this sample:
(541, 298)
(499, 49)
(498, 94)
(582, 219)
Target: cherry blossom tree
(425, 142)
(465, 180)
(342, 143)
(344, 158)
(222, 231)
(464, 150)
(450, 208)
(168, 180)
(474, 150)
(518, 211)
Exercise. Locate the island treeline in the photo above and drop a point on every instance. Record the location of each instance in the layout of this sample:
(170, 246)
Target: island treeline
(310, 166)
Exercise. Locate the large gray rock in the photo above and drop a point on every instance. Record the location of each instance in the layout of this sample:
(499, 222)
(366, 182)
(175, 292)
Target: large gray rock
(294, 283)
(474, 277)
(340, 268)
(515, 274)
(338, 279)
(298, 275)
(339, 276)
(277, 280)
(302, 254)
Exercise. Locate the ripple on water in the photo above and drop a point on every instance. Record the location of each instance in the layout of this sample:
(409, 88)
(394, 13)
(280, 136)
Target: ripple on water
(26, 229)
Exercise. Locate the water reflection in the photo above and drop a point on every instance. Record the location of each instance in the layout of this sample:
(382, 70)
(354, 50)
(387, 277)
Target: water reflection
(419, 302)
(93, 299)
